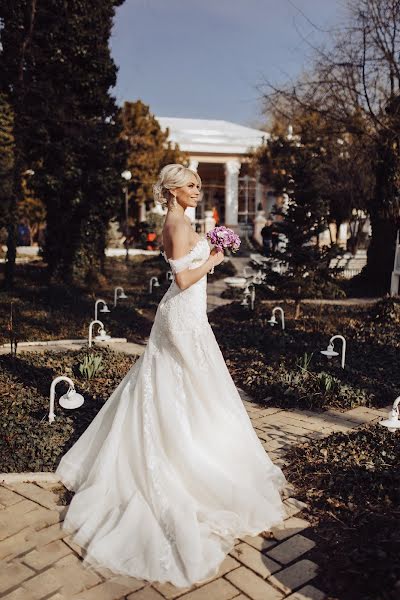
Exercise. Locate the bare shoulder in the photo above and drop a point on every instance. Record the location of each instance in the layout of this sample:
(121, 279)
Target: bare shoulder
(175, 239)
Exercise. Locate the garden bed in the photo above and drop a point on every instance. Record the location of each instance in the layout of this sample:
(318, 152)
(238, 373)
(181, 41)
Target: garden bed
(42, 313)
(351, 484)
(63, 312)
(28, 441)
(286, 369)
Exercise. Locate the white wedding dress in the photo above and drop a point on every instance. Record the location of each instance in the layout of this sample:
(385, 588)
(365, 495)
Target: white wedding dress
(171, 471)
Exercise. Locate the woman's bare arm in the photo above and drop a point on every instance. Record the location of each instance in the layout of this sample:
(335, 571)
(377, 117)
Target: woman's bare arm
(180, 247)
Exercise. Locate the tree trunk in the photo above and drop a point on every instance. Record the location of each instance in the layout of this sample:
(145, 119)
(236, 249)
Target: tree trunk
(380, 255)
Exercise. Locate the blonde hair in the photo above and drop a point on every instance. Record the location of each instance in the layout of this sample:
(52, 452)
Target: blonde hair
(170, 177)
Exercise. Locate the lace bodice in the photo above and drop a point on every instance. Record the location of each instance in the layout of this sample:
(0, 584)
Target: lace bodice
(184, 310)
(196, 256)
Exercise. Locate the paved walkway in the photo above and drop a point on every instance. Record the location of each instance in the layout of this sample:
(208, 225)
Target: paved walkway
(39, 561)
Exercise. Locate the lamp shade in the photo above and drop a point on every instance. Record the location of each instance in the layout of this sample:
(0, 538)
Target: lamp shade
(71, 399)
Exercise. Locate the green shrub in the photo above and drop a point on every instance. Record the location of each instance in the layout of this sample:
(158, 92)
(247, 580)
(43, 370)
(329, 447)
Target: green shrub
(90, 365)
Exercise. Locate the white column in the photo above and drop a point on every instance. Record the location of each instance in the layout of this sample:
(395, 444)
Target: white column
(191, 211)
(142, 212)
(232, 168)
(341, 239)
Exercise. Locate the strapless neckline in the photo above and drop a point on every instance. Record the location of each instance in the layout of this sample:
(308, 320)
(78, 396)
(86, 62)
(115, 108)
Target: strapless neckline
(202, 239)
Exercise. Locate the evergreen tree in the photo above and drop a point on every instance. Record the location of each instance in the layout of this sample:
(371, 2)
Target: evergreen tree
(69, 124)
(148, 151)
(293, 166)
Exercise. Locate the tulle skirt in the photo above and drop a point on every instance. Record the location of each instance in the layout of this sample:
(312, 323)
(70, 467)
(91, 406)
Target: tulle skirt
(170, 472)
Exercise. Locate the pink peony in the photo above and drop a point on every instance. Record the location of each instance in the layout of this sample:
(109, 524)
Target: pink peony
(222, 237)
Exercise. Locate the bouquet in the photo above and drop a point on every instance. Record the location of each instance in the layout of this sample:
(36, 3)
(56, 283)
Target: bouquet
(222, 237)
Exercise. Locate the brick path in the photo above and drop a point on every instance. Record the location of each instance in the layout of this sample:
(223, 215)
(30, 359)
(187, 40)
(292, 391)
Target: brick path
(39, 561)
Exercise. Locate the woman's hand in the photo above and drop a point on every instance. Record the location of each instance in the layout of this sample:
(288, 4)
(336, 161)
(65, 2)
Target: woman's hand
(217, 256)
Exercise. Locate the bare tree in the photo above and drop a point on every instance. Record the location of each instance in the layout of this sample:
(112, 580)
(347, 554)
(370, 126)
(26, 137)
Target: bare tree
(354, 84)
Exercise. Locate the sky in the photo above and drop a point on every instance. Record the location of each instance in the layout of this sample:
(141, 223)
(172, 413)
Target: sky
(207, 58)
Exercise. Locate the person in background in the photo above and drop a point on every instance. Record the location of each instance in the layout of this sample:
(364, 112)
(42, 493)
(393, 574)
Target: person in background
(267, 235)
(215, 215)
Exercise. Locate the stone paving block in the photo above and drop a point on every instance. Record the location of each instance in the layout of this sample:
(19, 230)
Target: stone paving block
(259, 413)
(305, 422)
(16, 544)
(220, 588)
(316, 435)
(109, 590)
(227, 565)
(20, 594)
(287, 491)
(339, 427)
(362, 414)
(130, 582)
(271, 445)
(33, 492)
(12, 574)
(77, 549)
(42, 585)
(47, 555)
(290, 550)
(19, 509)
(294, 506)
(294, 429)
(37, 519)
(289, 528)
(309, 592)
(255, 560)
(147, 593)
(16, 517)
(259, 542)
(73, 577)
(44, 518)
(8, 497)
(295, 576)
(47, 535)
(252, 585)
(170, 592)
(56, 488)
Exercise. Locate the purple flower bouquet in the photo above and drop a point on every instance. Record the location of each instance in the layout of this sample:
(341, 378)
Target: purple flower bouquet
(222, 237)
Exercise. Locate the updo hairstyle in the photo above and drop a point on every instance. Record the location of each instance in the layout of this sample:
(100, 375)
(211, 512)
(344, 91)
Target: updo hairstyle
(171, 177)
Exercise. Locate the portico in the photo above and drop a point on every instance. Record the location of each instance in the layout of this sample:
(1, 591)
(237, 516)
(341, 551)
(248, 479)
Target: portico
(219, 151)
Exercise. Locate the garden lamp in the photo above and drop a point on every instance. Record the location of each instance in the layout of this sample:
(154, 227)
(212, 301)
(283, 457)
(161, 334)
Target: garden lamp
(102, 337)
(392, 423)
(245, 271)
(104, 308)
(119, 294)
(246, 292)
(330, 352)
(69, 400)
(259, 277)
(273, 320)
(153, 283)
(252, 295)
(126, 176)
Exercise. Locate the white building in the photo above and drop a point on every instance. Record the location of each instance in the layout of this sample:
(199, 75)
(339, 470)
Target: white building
(219, 150)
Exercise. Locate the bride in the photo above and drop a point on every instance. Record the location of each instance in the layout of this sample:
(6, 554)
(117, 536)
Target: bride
(171, 471)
